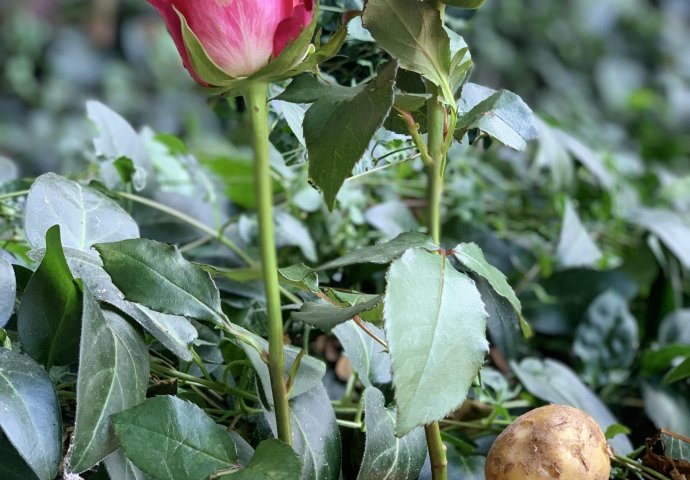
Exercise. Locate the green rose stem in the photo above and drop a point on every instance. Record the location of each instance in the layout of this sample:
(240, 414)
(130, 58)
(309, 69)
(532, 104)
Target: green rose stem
(436, 115)
(256, 96)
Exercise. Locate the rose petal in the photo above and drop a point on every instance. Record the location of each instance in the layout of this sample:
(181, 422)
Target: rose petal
(289, 29)
(236, 34)
(172, 21)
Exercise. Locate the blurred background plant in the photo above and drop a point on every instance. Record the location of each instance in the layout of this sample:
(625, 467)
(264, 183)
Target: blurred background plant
(591, 224)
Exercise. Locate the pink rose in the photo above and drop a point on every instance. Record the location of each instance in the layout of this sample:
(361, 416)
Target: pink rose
(239, 36)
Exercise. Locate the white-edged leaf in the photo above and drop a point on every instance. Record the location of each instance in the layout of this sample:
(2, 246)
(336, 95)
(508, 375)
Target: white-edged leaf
(85, 216)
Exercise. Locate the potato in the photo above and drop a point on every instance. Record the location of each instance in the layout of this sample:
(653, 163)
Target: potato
(548, 443)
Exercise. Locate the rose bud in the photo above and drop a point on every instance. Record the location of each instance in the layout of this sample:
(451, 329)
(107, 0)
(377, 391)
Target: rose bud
(237, 37)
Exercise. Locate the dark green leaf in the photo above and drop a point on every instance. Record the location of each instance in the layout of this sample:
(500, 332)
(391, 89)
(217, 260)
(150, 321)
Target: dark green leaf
(554, 382)
(172, 331)
(8, 291)
(383, 252)
(29, 413)
(413, 33)
(369, 360)
(315, 435)
(574, 290)
(85, 216)
(345, 299)
(171, 439)
(272, 460)
(50, 313)
(12, 465)
(113, 376)
(503, 116)
(655, 362)
(300, 276)
(385, 455)
(307, 88)
(325, 315)
(159, 277)
(338, 130)
(678, 373)
(119, 467)
(607, 337)
(436, 326)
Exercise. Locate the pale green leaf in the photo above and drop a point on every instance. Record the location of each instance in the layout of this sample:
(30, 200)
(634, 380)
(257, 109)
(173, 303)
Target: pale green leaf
(436, 325)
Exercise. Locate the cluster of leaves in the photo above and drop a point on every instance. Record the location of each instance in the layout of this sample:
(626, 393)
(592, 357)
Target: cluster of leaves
(599, 273)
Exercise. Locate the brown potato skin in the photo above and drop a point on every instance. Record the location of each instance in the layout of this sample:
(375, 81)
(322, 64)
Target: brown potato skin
(555, 442)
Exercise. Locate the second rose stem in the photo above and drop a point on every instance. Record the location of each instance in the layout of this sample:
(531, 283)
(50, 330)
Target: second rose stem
(436, 115)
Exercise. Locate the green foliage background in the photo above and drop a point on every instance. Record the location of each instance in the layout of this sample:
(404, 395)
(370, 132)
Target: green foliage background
(590, 224)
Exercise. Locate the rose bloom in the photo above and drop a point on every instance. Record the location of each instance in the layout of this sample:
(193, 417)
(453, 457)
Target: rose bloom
(239, 36)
